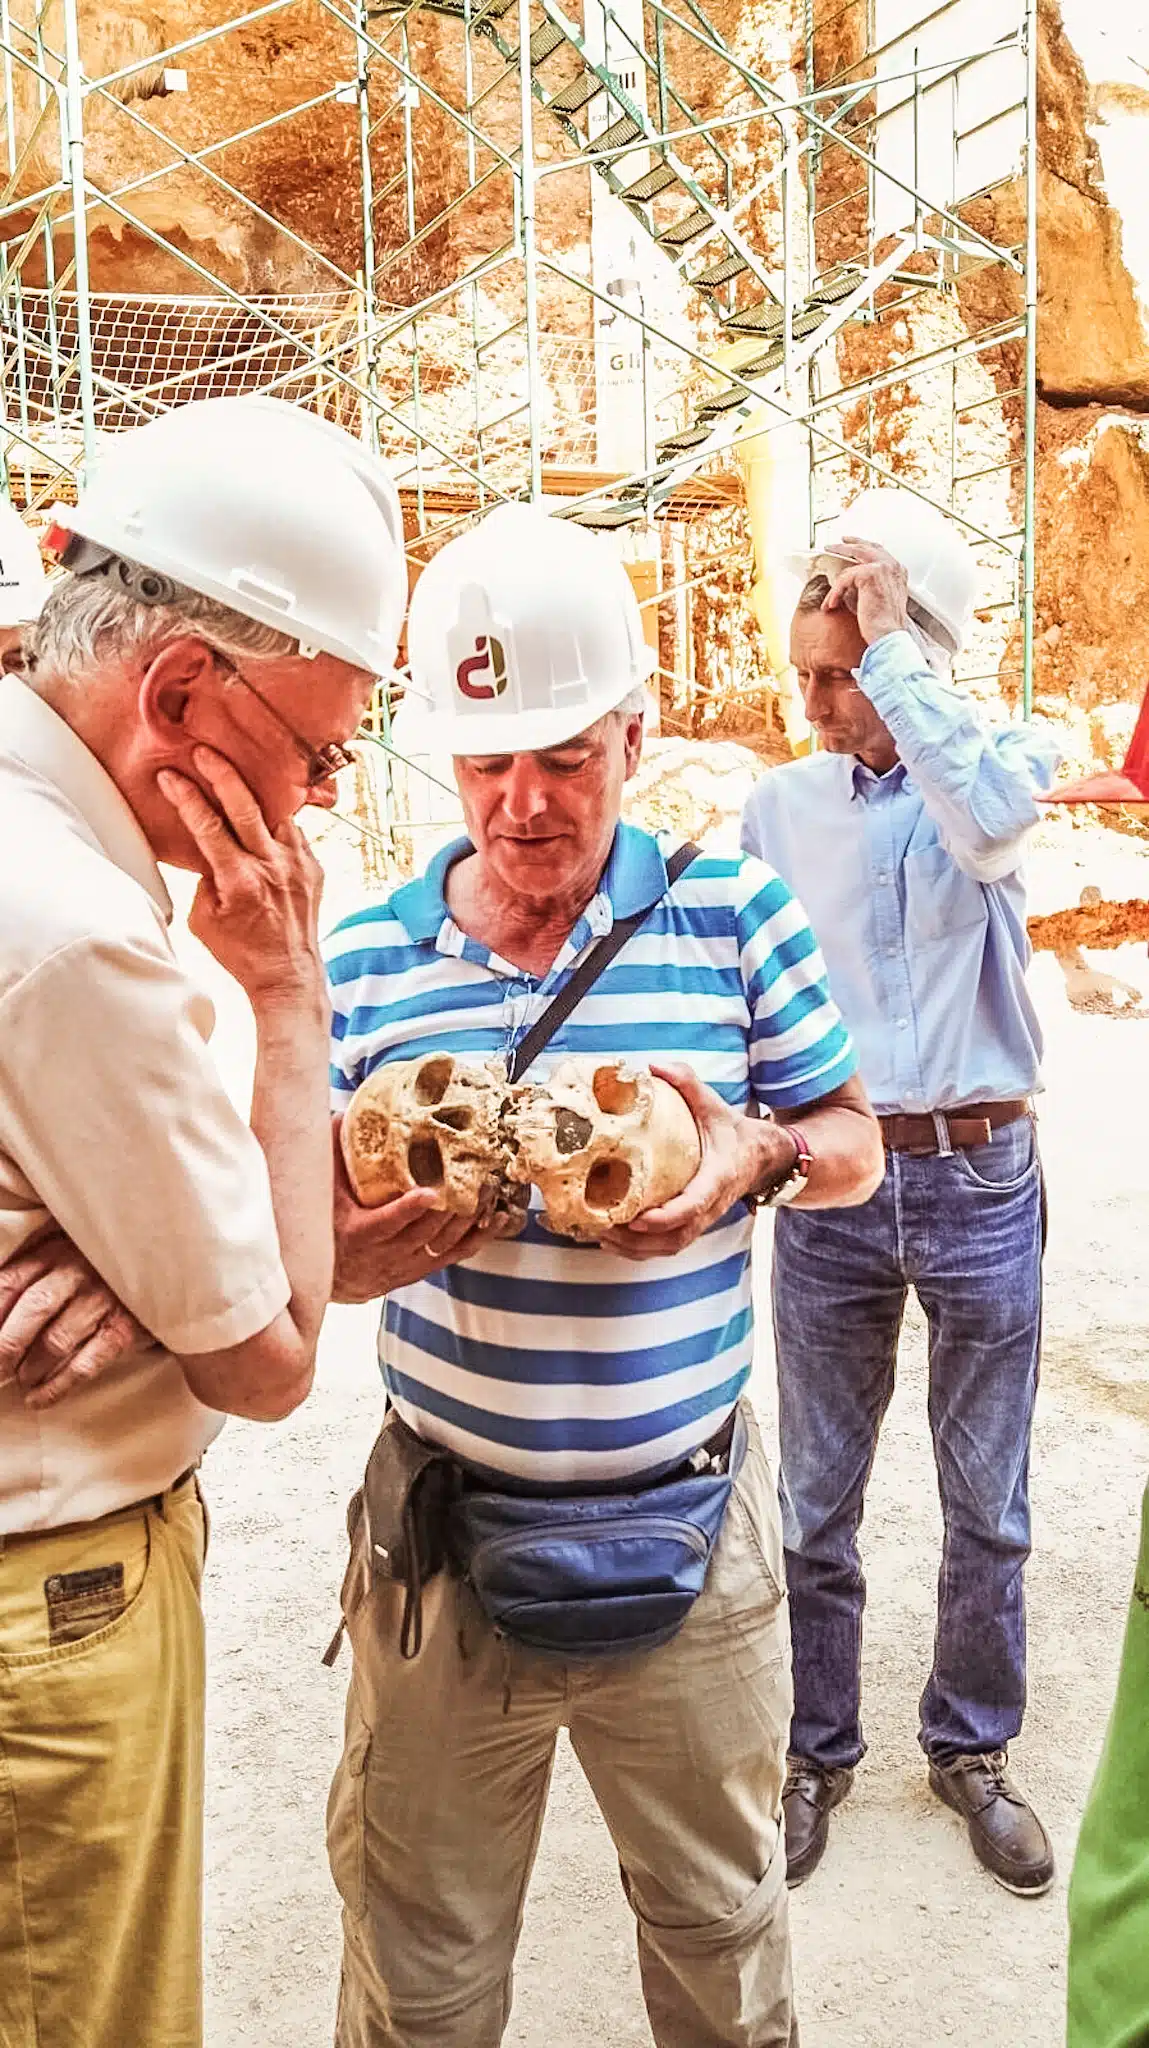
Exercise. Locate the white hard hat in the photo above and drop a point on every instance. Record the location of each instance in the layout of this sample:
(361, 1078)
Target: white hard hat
(523, 632)
(940, 566)
(23, 584)
(260, 505)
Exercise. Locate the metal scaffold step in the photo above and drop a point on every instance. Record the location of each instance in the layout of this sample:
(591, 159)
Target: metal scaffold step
(545, 40)
(660, 179)
(619, 133)
(604, 517)
(716, 275)
(573, 97)
(680, 232)
(455, 10)
(760, 366)
(832, 288)
(723, 401)
(682, 442)
(763, 317)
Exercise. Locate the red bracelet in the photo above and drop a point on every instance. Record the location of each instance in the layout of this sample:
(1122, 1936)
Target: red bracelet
(805, 1159)
(757, 1199)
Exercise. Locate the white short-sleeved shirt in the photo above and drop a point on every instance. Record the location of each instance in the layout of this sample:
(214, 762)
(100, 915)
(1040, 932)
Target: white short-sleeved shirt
(113, 1123)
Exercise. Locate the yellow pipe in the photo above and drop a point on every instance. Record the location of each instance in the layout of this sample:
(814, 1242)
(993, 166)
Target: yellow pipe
(754, 454)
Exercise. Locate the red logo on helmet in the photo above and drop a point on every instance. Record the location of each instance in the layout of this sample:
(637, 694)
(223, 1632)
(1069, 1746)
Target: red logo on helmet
(488, 659)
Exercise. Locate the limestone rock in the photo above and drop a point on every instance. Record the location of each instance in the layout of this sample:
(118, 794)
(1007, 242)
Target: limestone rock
(1092, 651)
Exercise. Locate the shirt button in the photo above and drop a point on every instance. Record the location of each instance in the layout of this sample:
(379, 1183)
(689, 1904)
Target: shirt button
(891, 952)
(903, 1023)
(883, 876)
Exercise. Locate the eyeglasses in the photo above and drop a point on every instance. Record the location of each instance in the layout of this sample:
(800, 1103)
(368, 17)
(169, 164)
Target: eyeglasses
(323, 762)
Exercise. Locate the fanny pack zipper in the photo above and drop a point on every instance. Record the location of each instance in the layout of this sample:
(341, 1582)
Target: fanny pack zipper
(662, 1525)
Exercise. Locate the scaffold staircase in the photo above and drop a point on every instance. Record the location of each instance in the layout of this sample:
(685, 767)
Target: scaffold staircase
(694, 228)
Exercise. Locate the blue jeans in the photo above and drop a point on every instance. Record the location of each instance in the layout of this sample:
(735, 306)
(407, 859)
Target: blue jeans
(965, 1230)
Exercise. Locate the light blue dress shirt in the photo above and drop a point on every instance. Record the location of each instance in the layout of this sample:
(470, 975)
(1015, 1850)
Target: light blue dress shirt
(912, 883)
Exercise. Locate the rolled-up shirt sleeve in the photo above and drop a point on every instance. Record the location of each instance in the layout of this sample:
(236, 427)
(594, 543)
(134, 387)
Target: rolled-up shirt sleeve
(113, 1111)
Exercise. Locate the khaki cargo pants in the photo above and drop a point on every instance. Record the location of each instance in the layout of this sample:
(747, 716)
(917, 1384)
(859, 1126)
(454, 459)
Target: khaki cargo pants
(101, 1781)
(437, 1804)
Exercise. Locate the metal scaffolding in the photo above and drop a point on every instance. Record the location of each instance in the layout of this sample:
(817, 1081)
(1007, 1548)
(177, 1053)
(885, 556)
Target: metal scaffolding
(597, 259)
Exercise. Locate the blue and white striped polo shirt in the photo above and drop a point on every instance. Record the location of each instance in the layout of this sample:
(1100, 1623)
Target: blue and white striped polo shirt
(558, 1362)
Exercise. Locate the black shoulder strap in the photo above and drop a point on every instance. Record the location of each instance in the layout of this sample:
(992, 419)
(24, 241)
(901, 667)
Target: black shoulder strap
(588, 970)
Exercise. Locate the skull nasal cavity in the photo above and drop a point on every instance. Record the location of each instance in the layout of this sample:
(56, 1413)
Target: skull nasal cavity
(433, 1080)
(607, 1183)
(614, 1095)
(425, 1162)
(454, 1119)
(572, 1131)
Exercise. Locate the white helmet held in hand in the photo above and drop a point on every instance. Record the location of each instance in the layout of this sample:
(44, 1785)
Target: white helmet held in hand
(522, 632)
(23, 584)
(940, 566)
(259, 505)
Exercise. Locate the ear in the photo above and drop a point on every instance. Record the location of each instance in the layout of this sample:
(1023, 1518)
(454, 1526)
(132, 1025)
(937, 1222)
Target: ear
(182, 671)
(633, 744)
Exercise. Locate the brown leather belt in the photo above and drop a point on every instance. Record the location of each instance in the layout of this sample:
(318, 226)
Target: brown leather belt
(971, 1125)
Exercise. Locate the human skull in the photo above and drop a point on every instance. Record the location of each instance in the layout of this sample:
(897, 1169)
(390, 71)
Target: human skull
(434, 1122)
(602, 1141)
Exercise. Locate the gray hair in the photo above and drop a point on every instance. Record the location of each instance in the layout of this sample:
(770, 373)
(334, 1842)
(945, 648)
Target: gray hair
(814, 593)
(633, 704)
(87, 622)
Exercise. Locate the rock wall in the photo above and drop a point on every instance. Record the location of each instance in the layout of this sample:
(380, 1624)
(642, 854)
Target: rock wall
(1092, 654)
(1092, 648)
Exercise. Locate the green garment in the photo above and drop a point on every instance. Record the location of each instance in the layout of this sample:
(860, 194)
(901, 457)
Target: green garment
(1109, 1890)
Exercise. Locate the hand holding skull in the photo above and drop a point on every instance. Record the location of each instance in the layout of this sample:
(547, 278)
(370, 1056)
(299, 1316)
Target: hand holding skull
(398, 1241)
(738, 1153)
(451, 1151)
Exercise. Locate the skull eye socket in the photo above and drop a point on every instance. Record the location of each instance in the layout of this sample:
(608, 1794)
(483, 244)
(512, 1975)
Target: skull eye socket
(432, 1081)
(425, 1162)
(606, 1183)
(572, 1131)
(615, 1093)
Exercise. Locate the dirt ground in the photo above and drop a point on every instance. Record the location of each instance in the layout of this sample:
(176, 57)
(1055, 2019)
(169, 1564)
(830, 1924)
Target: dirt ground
(900, 1937)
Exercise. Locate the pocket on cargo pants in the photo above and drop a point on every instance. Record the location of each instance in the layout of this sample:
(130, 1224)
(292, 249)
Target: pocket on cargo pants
(347, 1799)
(346, 1813)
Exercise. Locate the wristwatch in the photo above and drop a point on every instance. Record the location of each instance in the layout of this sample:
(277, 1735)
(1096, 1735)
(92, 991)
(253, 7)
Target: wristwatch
(777, 1192)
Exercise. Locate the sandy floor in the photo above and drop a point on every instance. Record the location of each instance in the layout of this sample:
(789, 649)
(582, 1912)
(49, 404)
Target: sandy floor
(900, 1938)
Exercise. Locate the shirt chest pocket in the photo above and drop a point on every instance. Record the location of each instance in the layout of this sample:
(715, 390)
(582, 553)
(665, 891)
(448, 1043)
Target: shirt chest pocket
(940, 900)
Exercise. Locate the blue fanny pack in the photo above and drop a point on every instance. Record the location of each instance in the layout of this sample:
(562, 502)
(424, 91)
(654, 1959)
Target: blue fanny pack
(594, 1575)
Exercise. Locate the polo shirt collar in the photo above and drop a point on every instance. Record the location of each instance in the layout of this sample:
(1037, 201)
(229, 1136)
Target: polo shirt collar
(36, 736)
(633, 879)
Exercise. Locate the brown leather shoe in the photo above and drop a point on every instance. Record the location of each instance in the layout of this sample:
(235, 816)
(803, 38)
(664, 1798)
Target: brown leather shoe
(1004, 1829)
(811, 1793)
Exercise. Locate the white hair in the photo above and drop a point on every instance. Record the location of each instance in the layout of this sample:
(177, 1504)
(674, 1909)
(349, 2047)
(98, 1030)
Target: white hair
(86, 622)
(633, 704)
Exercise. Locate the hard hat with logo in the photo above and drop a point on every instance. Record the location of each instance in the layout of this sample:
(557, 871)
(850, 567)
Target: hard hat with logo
(260, 505)
(940, 566)
(23, 584)
(523, 632)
